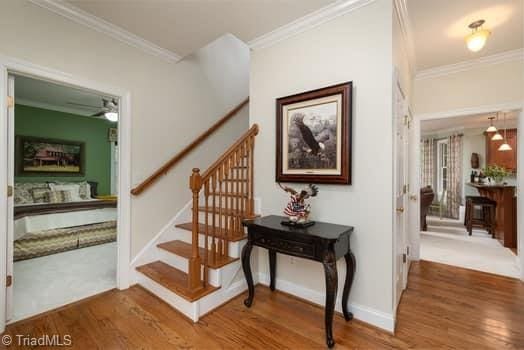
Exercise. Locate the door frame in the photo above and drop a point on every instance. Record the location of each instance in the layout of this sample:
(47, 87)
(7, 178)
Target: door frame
(415, 167)
(9, 65)
(397, 89)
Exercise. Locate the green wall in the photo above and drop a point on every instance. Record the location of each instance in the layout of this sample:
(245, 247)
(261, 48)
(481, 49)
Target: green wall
(31, 121)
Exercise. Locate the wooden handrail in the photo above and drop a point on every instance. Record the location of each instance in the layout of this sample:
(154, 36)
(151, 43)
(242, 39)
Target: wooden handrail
(180, 155)
(251, 132)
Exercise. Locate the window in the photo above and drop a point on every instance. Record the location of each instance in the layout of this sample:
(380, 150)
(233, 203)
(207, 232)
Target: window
(442, 166)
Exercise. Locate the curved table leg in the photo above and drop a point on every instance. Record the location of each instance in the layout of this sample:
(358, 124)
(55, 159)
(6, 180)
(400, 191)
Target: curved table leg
(272, 268)
(246, 266)
(350, 274)
(330, 271)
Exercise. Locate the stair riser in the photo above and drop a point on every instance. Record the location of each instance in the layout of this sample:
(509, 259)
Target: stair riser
(182, 264)
(234, 247)
(190, 309)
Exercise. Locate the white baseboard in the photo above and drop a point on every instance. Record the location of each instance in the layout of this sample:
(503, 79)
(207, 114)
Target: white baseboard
(363, 313)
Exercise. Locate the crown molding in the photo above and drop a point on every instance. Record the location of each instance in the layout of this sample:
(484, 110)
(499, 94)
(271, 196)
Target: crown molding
(309, 21)
(401, 10)
(484, 109)
(507, 56)
(82, 17)
(51, 107)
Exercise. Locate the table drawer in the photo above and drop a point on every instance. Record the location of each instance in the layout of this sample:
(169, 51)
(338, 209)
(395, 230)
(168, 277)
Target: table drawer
(287, 246)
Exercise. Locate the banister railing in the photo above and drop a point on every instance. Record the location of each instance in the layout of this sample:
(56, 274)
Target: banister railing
(228, 186)
(184, 152)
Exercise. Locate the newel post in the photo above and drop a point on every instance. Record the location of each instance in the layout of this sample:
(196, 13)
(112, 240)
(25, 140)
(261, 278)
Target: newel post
(194, 272)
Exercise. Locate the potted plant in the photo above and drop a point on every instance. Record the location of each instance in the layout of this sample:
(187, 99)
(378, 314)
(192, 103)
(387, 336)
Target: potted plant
(496, 173)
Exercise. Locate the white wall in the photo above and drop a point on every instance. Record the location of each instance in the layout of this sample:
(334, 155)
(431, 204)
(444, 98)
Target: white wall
(354, 47)
(170, 103)
(487, 85)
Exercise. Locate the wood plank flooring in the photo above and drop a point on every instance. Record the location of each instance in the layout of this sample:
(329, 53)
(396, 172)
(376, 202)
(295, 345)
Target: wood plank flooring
(444, 307)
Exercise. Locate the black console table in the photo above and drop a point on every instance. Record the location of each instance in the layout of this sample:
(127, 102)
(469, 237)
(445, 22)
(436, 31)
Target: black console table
(321, 242)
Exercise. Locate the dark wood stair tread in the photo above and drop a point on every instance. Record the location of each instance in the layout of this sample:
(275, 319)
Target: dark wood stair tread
(219, 233)
(174, 280)
(184, 249)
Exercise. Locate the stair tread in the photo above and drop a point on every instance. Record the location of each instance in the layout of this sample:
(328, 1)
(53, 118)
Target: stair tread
(235, 180)
(219, 232)
(174, 280)
(184, 249)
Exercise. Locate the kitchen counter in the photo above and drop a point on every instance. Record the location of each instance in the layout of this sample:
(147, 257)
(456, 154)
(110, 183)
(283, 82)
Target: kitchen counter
(506, 213)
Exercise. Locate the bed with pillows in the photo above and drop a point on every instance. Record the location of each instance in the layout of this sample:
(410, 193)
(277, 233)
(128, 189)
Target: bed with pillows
(52, 217)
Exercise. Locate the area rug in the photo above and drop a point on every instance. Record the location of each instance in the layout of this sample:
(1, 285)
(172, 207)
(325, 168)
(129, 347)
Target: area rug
(477, 252)
(59, 240)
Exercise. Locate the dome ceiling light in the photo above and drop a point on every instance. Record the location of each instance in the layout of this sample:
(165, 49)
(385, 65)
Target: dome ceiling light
(477, 39)
(491, 128)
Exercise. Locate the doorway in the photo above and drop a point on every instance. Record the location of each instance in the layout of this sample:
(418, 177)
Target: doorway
(68, 158)
(447, 239)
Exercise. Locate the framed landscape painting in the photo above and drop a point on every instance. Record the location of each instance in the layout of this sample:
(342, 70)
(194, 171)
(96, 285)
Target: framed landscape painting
(314, 136)
(49, 157)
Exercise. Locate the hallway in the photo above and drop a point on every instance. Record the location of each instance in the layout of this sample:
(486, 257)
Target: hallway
(443, 307)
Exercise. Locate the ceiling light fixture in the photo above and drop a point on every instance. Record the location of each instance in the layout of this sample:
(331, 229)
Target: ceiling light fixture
(497, 136)
(111, 116)
(491, 128)
(505, 146)
(477, 39)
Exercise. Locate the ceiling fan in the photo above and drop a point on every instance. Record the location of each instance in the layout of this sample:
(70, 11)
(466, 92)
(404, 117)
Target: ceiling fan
(109, 109)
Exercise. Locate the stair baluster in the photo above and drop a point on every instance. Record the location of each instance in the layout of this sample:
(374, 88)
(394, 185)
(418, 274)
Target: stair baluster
(194, 271)
(228, 198)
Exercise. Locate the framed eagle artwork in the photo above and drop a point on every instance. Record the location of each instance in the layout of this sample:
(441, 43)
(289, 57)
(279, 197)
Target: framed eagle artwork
(314, 136)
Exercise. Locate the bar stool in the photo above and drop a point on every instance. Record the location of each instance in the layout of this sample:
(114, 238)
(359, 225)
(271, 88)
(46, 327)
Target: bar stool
(487, 221)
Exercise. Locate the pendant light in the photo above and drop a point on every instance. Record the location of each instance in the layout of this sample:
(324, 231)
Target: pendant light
(491, 128)
(505, 146)
(497, 136)
(477, 39)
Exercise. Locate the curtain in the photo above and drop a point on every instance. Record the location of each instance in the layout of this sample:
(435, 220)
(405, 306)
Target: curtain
(427, 162)
(454, 186)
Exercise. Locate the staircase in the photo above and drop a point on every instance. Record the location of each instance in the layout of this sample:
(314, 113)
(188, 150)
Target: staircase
(190, 270)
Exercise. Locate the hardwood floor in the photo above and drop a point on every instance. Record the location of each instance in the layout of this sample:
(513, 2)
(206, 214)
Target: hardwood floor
(443, 307)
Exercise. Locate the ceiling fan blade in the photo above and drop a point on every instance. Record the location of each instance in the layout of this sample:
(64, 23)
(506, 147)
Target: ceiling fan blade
(83, 105)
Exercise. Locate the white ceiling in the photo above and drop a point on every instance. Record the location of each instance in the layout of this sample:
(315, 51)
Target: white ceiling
(468, 122)
(48, 95)
(439, 28)
(183, 26)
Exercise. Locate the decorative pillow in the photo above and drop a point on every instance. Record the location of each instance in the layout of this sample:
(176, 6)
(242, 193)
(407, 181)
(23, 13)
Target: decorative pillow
(40, 194)
(84, 190)
(73, 188)
(22, 195)
(59, 196)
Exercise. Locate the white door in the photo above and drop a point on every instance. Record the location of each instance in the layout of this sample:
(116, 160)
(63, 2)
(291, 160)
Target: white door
(10, 199)
(401, 123)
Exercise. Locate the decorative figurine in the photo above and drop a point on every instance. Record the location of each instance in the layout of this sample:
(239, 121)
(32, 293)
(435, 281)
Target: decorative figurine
(297, 210)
